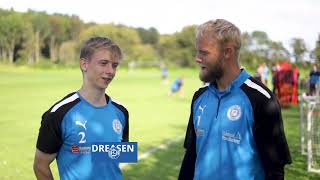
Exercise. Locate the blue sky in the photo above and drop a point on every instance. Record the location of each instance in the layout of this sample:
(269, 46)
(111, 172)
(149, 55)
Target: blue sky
(282, 20)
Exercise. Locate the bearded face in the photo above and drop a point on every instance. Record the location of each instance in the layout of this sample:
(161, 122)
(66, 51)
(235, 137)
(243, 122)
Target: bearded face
(210, 59)
(211, 72)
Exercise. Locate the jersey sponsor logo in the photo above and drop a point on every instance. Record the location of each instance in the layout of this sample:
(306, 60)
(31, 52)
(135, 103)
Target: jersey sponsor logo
(117, 126)
(115, 151)
(199, 132)
(234, 113)
(231, 137)
(80, 149)
(75, 149)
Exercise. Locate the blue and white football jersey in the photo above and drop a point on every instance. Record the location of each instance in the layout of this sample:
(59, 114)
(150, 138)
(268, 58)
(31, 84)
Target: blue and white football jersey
(73, 122)
(234, 134)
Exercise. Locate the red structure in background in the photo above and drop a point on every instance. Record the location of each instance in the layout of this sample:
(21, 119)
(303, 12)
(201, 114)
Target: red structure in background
(286, 81)
(294, 98)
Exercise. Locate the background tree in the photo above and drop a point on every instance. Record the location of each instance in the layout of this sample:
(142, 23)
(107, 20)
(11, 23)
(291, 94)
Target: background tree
(34, 35)
(68, 52)
(186, 45)
(148, 36)
(3, 32)
(25, 49)
(299, 48)
(126, 37)
(42, 30)
(260, 44)
(59, 25)
(167, 48)
(179, 48)
(12, 28)
(278, 51)
(317, 50)
(76, 26)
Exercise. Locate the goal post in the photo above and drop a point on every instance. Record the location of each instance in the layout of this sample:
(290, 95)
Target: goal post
(310, 131)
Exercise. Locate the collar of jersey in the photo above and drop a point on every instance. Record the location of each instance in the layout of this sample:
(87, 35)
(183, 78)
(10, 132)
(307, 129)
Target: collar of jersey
(96, 107)
(236, 83)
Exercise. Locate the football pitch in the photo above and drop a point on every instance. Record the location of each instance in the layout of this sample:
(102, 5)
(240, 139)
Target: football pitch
(155, 119)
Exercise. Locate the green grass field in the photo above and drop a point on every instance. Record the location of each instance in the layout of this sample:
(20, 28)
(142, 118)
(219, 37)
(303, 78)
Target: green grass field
(155, 118)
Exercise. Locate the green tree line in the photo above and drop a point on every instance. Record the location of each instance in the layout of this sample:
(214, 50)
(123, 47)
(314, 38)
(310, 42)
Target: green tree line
(32, 37)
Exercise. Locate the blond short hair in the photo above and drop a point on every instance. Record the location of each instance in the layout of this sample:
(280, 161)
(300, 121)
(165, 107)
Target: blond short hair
(96, 43)
(221, 30)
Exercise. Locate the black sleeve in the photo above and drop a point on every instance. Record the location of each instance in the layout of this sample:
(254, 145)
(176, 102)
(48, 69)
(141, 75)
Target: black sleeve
(270, 139)
(268, 131)
(125, 134)
(49, 138)
(124, 111)
(189, 160)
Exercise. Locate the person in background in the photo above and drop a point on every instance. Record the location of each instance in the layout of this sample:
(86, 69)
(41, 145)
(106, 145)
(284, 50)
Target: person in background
(274, 71)
(314, 79)
(177, 87)
(259, 73)
(265, 74)
(164, 73)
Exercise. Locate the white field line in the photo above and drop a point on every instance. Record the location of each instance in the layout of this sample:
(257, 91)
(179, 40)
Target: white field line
(153, 150)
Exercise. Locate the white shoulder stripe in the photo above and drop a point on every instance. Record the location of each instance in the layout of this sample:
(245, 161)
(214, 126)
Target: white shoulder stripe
(205, 84)
(257, 87)
(65, 101)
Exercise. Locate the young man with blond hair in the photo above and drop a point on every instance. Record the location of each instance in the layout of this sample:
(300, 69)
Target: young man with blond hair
(86, 116)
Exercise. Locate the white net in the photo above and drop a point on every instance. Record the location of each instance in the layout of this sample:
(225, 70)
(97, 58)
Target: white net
(303, 105)
(310, 130)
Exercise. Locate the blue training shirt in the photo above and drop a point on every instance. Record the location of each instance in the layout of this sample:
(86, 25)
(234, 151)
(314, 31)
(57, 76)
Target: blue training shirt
(314, 77)
(176, 85)
(74, 121)
(235, 134)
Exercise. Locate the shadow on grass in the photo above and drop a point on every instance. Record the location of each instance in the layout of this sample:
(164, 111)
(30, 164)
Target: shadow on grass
(162, 165)
(165, 163)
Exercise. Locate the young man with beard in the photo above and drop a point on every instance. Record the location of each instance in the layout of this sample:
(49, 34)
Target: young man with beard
(235, 129)
(85, 116)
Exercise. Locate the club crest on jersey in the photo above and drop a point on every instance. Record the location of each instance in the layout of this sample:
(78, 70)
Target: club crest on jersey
(234, 113)
(117, 126)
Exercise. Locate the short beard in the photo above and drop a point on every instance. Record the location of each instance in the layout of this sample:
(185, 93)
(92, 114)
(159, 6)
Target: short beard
(213, 74)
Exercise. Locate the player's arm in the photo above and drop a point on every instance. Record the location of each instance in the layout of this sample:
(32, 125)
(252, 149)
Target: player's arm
(270, 139)
(41, 165)
(48, 144)
(189, 160)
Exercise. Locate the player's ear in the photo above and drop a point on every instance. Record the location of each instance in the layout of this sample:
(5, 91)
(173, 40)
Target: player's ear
(83, 64)
(228, 52)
